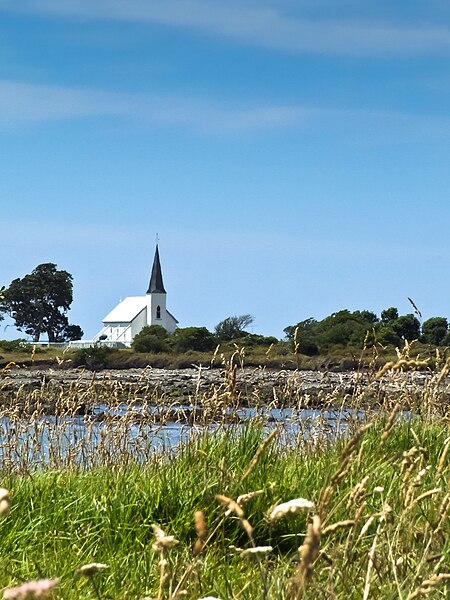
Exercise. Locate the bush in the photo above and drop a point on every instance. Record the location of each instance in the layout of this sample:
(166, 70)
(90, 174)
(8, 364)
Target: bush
(155, 330)
(94, 358)
(253, 339)
(307, 347)
(151, 338)
(18, 345)
(193, 338)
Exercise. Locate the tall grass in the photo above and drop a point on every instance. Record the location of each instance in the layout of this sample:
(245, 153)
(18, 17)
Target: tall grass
(383, 510)
(241, 508)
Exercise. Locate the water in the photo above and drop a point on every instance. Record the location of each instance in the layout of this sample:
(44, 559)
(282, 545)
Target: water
(111, 434)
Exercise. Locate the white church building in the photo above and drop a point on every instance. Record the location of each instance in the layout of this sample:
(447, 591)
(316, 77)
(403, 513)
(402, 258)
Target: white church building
(126, 320)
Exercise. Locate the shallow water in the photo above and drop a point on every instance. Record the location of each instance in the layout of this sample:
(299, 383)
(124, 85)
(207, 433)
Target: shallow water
(113, 434)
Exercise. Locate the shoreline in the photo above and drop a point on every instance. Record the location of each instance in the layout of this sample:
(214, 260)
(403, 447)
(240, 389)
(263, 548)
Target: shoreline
(245, 382)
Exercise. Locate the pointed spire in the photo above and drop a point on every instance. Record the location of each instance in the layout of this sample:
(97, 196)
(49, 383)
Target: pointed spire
(156, 281)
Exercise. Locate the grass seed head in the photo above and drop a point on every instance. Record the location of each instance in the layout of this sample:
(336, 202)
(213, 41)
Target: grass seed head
(290, 508)
(257, 551)
(162, 541)
(201, 530)
(91, 569)
(39, 588)
(5, 502)
(230, 505)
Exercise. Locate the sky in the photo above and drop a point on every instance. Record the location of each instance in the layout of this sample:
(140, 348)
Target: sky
(292, 156)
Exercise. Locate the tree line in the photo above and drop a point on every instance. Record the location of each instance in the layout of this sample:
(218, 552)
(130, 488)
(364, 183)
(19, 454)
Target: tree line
(38, 304)
(359, 328)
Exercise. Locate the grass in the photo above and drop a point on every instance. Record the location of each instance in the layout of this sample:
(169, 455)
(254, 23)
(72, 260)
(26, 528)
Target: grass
(380, 500)
(370, 517)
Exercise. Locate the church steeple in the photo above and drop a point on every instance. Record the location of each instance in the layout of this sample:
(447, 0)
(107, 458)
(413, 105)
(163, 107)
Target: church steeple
(156, 284)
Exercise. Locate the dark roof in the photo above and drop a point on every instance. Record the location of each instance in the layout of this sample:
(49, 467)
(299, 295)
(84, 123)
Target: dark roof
(156, 281)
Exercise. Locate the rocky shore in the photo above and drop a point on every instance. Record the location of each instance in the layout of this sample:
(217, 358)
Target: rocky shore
(265, 383)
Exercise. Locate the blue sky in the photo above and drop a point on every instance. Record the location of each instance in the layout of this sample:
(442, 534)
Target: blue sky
(292, 156)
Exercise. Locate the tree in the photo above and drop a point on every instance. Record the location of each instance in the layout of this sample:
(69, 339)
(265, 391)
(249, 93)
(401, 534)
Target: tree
(434, 330)
(386, 335)
(345, 328)
(255, 339)
(233, 327)
(39, 301)
(193, 338)
(389, 314)
(151, 338)
(407, 327)
(72, 332)
(305, 327)
(303, 337)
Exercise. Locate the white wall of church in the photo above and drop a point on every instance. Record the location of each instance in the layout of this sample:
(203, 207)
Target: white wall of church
(171, 323)
(138, 323)
(118, 332)
(156, 316)
(157, 312)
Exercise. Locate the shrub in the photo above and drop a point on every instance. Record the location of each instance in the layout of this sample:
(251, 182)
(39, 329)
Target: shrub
(94, 358)
(253, 339)
(151, 338)
(150, 343)
(18, 345)
(156, 330)
(307, 347)
(193, 338)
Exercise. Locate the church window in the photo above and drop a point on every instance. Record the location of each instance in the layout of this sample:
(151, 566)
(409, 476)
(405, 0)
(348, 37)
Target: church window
(158, 312)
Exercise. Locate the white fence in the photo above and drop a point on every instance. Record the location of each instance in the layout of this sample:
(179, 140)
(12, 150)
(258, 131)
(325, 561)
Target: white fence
(77, 344)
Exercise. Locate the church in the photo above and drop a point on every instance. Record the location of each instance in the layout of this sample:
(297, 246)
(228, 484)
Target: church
(126, 320)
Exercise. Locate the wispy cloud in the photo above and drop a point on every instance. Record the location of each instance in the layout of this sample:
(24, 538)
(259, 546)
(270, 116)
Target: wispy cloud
(262, 25)
(24, 105)
(28, 104)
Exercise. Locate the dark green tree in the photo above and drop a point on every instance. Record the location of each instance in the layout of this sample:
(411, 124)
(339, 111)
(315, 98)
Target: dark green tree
(389, 314)
(434, 330)
(72, 332)
(407, 327)
(193, 338)
(305, 327)
(39, 301)
(303, 337)
(386, 336)
(232, 328)
(151, 338)
(254, 339)
(345, 328)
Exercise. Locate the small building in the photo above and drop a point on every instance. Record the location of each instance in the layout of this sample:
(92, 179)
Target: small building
(127, 319)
